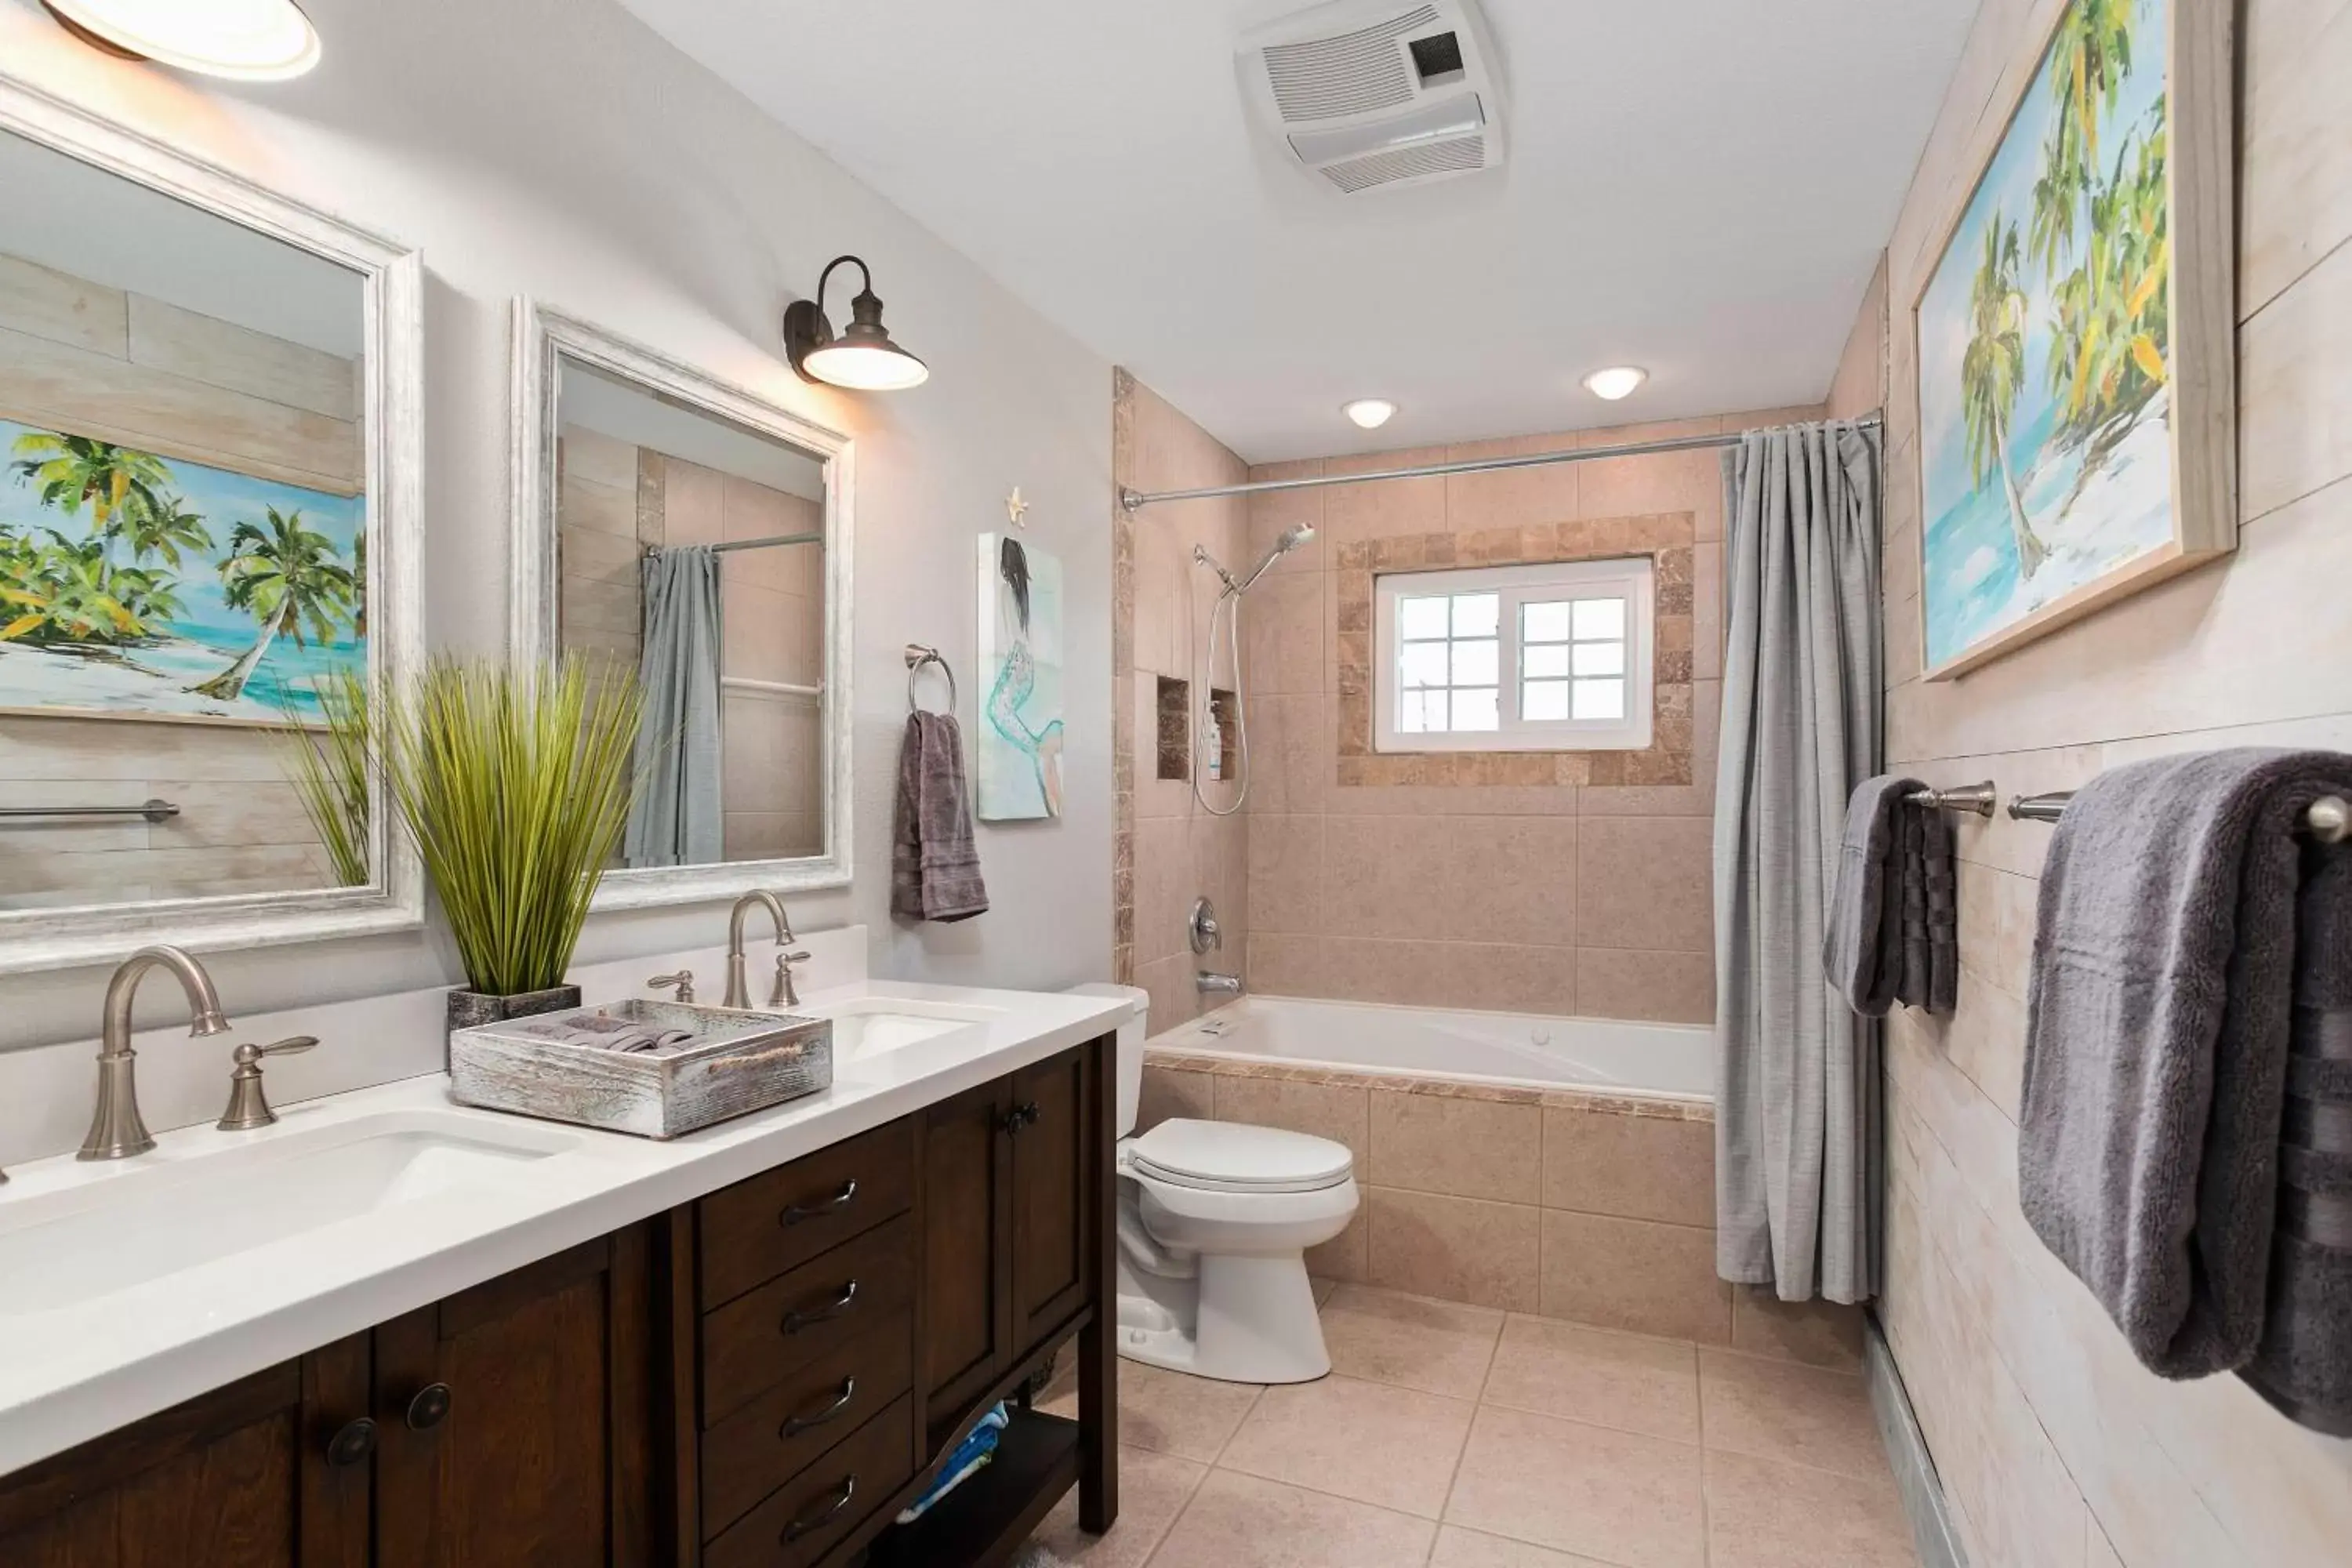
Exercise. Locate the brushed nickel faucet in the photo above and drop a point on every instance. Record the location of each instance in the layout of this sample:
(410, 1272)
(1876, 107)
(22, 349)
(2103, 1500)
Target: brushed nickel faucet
(739, 993)
(248, 1106)
(116, 1130)
(1208, 983)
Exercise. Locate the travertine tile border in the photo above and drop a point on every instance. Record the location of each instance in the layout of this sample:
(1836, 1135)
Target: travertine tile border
(1667, 538)
(1664, 1109)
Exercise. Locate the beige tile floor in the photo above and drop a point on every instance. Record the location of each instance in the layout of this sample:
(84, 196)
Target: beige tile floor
(1454, 1436)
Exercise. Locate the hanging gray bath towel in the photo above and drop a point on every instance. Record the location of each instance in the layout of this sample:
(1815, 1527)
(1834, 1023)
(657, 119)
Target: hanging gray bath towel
(2157, 1042)
(1797, 1097)
(934, 865)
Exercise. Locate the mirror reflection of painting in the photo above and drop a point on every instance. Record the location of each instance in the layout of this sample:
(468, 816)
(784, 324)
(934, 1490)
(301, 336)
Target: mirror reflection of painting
(184, 578)
(691, 552)
(1020, 742)
(2045, 385)
(132, 583)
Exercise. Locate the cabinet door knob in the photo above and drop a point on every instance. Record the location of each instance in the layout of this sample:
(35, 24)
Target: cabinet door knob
(800, 1318)
(1022, 1115)
(430, 1406)
(816, 1521)
(795, 1424)
(795, 1212)
(354, 1440)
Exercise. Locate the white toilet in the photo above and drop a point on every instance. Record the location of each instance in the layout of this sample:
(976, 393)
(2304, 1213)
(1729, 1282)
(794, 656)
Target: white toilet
(1214, 1220)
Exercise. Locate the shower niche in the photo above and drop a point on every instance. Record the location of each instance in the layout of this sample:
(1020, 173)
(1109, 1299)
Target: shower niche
(1176, 736)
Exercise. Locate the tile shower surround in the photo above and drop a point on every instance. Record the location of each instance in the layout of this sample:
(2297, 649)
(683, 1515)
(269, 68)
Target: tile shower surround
(1593, 1207)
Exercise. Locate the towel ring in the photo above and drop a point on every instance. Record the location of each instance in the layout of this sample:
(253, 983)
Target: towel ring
(919, 655)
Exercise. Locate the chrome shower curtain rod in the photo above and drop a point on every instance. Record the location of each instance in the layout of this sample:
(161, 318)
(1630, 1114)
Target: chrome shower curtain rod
(768, 543)
(1131, 500)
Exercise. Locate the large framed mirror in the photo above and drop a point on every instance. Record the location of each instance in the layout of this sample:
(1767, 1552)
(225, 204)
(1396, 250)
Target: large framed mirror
(208, 549)
(689, 534)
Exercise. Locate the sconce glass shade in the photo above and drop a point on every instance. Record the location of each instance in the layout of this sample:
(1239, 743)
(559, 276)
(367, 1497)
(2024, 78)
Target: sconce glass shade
(861, 358)
(249, 40)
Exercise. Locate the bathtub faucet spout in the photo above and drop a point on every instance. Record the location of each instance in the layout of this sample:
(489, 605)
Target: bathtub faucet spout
(1211, 984)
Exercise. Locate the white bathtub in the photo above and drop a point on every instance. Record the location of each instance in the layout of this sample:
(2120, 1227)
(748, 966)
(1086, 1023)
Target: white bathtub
(1671, 1061)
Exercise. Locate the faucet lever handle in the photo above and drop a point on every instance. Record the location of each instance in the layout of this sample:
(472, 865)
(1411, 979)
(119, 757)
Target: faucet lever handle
(248, 1106)
(784, 994)
(682, 983)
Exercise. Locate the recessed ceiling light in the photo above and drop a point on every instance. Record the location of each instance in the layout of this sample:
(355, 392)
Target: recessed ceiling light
(1617, 381)
(1371, 413)
(252, 40)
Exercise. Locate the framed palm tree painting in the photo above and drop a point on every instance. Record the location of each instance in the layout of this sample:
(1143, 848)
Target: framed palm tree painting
(2075, 338)
(135, 585)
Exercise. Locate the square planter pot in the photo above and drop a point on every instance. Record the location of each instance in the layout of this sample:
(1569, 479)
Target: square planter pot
(467, 1009)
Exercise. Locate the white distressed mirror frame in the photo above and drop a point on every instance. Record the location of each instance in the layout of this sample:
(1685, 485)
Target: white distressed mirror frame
(392, 376)
(540, 336)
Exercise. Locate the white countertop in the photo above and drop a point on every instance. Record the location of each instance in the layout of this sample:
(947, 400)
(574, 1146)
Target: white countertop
(71, 1372)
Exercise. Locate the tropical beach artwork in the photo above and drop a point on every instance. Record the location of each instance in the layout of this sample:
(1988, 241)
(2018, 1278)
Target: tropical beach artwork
(1020, 742)
(135, 586)
(2046, 345)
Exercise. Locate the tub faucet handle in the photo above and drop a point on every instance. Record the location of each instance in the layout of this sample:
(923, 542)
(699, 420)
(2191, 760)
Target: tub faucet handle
(1202, 926)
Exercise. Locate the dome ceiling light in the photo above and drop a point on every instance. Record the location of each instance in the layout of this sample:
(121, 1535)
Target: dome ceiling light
(246, 40)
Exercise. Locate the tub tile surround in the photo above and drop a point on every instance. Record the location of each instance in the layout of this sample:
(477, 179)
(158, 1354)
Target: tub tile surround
(1167, 850)
(1458, 1437)
(2053, 1445)
(1405, 879)
(1570, 1203)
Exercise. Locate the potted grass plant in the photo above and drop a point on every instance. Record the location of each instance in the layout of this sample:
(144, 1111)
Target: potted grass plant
(515, 784)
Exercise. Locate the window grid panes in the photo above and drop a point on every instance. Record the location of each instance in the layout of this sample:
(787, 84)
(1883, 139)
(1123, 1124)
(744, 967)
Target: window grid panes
(1516, 658)
(1448, 675)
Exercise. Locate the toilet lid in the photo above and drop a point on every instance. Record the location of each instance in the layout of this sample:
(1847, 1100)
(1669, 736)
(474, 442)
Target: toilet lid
(1232, 1156)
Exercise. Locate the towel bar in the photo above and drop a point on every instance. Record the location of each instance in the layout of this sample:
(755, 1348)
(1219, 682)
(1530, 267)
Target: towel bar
(2329, 820)
(1979, 798)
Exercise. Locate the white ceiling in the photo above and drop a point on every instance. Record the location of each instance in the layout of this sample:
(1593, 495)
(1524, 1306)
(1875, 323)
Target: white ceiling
(1698, 186)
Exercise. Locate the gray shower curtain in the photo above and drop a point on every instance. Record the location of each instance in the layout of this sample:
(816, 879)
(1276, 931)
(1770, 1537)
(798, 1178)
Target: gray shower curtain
(675, 819)
(1797, 1164)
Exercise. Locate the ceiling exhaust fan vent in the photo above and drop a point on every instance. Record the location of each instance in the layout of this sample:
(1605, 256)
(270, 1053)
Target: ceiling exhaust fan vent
(1462, 155)
(1377, 94)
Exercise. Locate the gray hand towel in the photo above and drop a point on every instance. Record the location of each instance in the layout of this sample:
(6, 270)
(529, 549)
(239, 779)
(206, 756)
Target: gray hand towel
(1940, 990)
(2156, 1043)
(934, 866)
(1862, 940)
(2304, 1364)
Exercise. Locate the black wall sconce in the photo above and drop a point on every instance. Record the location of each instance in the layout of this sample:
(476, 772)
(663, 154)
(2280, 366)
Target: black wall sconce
(861, 358)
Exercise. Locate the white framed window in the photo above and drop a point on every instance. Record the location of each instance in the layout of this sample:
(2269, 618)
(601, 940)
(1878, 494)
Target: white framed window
(1515, 659)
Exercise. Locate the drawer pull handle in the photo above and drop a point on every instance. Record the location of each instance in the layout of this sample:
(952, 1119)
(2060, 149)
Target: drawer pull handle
(352, 1441)
(818, 1520)
(797, 1320)
(834, 1204)
(429, 1407)
(795, 1424)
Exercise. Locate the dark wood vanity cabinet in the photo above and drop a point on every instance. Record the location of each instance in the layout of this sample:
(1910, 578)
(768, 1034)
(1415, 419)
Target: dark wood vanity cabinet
(763, 1376)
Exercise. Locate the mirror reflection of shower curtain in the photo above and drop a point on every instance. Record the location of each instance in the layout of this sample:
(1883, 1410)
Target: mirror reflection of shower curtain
(675, 820)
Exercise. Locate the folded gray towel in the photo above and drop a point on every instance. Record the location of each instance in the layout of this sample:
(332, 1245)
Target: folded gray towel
(1880, 896)
(934, 866)
(2156, 1043)
(1938, 973)
(609, 1034)
(2304, 1364)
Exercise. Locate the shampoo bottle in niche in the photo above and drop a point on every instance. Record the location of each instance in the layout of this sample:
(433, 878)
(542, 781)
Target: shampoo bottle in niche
(1213, 745)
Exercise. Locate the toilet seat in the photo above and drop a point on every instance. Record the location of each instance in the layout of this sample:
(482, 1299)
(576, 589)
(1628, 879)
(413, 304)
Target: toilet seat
(1235, 1157)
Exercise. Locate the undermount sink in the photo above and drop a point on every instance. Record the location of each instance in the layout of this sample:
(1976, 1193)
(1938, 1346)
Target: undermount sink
(868, 1026)
(140, 1225)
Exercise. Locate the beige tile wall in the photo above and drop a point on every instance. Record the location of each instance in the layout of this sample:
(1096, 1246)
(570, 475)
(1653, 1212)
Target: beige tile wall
(1530, 1203)
(2053, 1445)
(1560, 897)
(1169, 851)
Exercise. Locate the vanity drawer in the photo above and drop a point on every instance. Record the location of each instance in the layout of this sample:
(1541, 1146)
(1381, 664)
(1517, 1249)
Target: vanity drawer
(784, 1430)
(804, 1518)
(754, 1341)
(756, 1229)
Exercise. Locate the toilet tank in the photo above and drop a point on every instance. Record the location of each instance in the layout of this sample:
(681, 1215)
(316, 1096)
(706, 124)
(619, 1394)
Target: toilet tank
(1132, 1033)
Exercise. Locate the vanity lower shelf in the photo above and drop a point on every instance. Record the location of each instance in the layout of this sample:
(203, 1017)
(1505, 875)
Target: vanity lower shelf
(984, 1521)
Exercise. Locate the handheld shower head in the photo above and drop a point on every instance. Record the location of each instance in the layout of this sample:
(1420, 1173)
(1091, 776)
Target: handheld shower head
(1291, 539)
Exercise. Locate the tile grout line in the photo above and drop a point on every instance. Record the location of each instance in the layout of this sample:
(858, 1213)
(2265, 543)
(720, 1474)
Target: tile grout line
(1176, 1518)
(1698, 1387)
